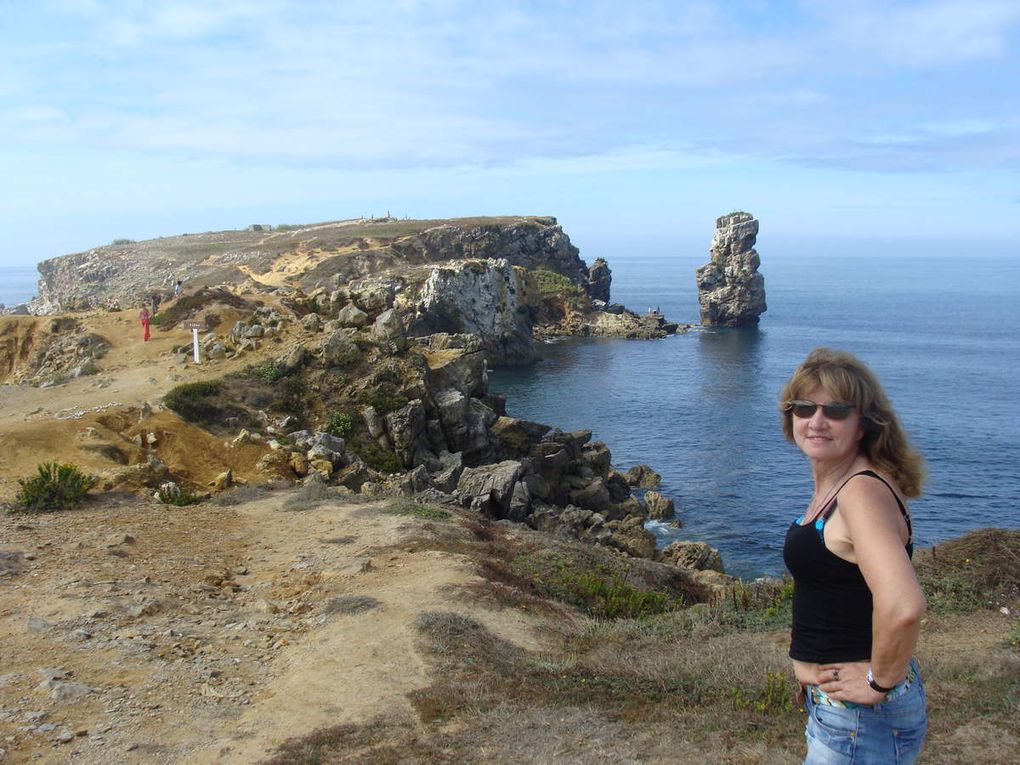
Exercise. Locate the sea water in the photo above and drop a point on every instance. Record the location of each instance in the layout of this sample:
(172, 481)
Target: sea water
(18, 284)
(701, 408)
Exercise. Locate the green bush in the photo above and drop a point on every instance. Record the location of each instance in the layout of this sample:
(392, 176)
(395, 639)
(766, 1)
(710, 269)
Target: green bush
(269, 371)
(191, 400)
(376, 457)
(384, 402)
(340, 424)
(122, 241)
(171, 494)
(54, 487)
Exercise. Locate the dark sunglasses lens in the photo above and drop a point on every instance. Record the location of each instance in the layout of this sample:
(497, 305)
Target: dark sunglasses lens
(803, 409)
(837, 411)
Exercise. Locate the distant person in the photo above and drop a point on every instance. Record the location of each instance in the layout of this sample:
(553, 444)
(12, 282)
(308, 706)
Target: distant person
(145, 318)
(857, 606)
(156, 299)
(177, 289)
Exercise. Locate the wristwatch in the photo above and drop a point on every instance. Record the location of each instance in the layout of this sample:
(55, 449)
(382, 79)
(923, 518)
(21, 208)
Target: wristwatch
(874, 685)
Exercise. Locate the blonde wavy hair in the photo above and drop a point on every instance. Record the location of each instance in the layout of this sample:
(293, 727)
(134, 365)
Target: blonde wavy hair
(846, 378)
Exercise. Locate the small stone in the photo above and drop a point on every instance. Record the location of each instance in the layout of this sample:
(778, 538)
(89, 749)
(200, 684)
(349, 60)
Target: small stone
(35, 624)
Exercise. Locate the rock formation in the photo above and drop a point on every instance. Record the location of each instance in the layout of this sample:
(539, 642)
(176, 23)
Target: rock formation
(730, 289)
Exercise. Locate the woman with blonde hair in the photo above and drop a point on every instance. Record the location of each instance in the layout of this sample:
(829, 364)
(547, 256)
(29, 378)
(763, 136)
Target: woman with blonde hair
(857, 605)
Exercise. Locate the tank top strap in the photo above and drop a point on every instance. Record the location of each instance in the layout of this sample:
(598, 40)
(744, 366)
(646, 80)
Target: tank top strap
(827, 512)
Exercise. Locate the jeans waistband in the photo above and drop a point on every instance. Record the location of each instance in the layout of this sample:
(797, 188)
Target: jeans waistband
(818, 696)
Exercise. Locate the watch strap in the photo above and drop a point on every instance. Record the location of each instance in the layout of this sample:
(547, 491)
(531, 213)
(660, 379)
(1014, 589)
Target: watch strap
(874, 685)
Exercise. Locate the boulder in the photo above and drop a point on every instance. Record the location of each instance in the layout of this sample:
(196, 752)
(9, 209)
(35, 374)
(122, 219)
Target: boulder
(293, 360)
(643, 477)
(489, 488)
(339, 350)
(352, 316)
(629, 536)
(408, 434)
(696, 555)
(659, 508)
(311, 322)
(731, 292)
(592, 496)
(388, 328)
(517, 437)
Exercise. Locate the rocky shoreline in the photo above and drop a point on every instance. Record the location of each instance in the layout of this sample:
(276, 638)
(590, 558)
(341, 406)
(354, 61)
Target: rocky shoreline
(365, 367)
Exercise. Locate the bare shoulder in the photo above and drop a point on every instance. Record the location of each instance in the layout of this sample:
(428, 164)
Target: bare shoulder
(867, 500)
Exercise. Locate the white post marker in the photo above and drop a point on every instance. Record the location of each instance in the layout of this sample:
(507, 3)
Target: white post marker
(194, 326)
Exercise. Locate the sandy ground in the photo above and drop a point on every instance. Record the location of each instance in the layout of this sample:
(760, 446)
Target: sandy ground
(138, 633)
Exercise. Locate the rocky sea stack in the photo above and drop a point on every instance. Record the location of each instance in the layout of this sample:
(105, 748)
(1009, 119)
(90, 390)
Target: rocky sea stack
(730, 289)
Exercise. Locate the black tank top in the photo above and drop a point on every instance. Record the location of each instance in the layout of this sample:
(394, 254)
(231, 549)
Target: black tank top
(832, 604)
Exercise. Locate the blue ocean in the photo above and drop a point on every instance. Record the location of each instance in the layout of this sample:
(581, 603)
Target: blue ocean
(701, 408)
(18, 284)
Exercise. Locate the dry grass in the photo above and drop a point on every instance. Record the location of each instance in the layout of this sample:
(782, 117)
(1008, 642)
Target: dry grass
(703, 683)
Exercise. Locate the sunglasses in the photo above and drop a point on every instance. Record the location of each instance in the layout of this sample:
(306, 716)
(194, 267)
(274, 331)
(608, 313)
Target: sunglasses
(806, 409)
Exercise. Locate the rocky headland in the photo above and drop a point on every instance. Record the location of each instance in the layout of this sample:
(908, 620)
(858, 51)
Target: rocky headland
(329, 541)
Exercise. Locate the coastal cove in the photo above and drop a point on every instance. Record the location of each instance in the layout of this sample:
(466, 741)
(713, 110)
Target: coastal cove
(700, 408)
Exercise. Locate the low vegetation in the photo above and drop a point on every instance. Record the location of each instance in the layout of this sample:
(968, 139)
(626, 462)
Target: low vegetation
(640, 671)
(194, 401)
(55, 486)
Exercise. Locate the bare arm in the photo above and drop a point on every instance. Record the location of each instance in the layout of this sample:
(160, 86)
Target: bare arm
(876, 529)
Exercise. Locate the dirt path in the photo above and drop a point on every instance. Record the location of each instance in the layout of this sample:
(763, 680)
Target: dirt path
(138, 633)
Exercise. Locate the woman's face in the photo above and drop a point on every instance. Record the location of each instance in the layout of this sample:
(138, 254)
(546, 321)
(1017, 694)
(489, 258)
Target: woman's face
(824, 439)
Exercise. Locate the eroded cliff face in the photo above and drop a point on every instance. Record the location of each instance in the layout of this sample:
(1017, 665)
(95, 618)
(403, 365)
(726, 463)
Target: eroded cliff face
(305, 258)
(731, 292)
(488, 298)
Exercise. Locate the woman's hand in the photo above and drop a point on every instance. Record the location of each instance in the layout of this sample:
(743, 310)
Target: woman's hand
(848, 681)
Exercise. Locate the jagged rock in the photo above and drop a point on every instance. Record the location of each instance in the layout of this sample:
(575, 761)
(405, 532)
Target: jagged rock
(312, 322)
(629, 535)
(643, 477)
(489, 488)
(390, 329)
(571, 522)
(659, 508)
(339, 350)
(599, 280)
(408, 434)
(446, 478)
(414, 481)
(593, 496)
(323, 467)
(457, 362)
(731, 292)
(293, 360)
(597, 457)
(520, 502)
(375, 424)
(352, 316)
(223, 481)
(299, 464)
(619, 489)
(626, 508)
(696, 555)
(484, 298)
(517, 437)
(373, 295)
(354, 476)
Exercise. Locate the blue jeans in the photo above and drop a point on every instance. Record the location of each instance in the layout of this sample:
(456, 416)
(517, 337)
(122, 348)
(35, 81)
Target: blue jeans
(888, 733)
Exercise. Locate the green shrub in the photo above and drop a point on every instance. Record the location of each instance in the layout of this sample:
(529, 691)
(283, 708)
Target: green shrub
(384, 402)
(122, 241)
(340, 424)
(376, 457)
(171, 494)
(54, 487)
(191, 400)
(268, 371)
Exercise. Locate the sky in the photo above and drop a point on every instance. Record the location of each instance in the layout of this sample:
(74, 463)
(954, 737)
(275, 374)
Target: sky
(846, 127)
